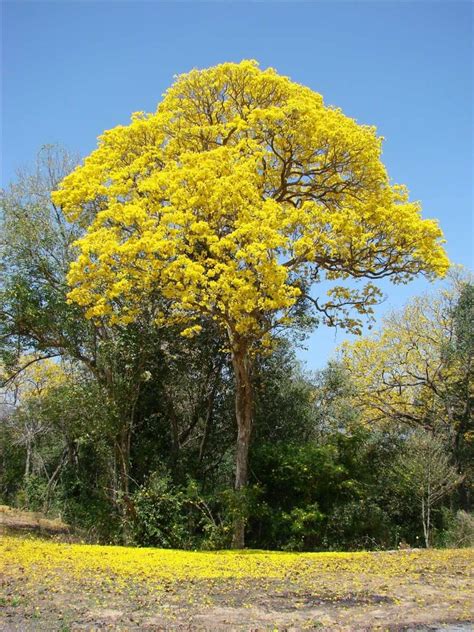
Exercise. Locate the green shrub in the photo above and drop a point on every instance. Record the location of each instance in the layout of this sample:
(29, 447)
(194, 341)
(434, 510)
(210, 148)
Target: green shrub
(460, 531)
(159, 518)
(169, 516)
(32, 493)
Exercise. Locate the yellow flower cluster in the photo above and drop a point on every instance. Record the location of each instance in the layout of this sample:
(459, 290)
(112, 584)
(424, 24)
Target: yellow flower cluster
(225, 200)
(404, 372)
(37, 556)
(37, 377)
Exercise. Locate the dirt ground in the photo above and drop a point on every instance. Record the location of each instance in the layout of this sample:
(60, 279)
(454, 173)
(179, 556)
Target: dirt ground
(14, 520)
(314, 594)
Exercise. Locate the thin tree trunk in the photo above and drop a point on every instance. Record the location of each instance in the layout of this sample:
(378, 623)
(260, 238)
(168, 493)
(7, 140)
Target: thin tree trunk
(428, 525)
(425, 525)
(174, 428)
(28, 459)
(207, 422)
(125, 459)
(429, 500)
(53, 480)
(243, 411)
(122, 475)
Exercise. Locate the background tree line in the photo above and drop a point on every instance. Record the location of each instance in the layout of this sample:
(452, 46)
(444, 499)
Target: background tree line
(125, 430)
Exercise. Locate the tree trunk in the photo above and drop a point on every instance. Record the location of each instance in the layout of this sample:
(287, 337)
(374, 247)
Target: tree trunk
(122, 457)
(28, 460)
(53, 479)
(463, 425)
(241, 363)
(426, 526)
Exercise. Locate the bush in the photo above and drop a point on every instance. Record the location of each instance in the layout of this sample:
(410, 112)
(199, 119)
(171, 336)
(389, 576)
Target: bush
(304, 525)
(158, 518)
(32, 493)
(169, 516)
(301, 485)
(460, 532)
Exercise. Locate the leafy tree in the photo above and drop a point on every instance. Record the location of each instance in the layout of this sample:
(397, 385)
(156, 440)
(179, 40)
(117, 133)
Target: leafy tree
(284, 398)
(26, 393)
(424, 472)
(37, 247)
(36, 242)
(333, 403)
(146, 378)
(234, 200)
(418, 370)
(460, 391)
(51, 406)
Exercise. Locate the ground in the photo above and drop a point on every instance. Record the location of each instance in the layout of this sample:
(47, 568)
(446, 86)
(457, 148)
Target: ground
(12, 519)
(55, 586)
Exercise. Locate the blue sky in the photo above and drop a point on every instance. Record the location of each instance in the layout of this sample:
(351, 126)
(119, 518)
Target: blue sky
(73, 69)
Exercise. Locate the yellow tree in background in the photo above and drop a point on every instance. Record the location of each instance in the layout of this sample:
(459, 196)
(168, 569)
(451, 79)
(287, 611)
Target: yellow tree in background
(409, 371)
(29, 386)
(233, 202)
(418, 370)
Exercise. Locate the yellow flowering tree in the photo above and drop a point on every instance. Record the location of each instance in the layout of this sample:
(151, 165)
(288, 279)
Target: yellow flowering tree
(34, 377)
(408, 371)
(232, 202)
(418, 370)
(22, 393)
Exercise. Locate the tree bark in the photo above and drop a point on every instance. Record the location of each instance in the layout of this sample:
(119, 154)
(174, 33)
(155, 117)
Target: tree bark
(242, 366)
(122, 460)
(28, 460)
(53, 479)
(425, 526)
(463, 425)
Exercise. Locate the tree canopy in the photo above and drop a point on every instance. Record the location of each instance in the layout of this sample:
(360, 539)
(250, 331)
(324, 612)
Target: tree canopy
(230, 204)
(240, 192)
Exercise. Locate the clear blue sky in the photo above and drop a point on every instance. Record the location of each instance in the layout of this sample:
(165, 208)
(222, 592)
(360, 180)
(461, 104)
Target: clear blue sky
(73, 69)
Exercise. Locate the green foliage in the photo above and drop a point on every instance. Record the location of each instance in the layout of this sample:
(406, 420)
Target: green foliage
(12, 465)
(171, 516)
(284, 406)
(159, 518)
(422, 472)
(302, 523)
(458, 531)
(301, 484)
(31, 494)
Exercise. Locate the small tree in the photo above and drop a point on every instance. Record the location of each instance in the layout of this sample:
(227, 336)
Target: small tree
(234, 200)
(25, 395)
(423, 470)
